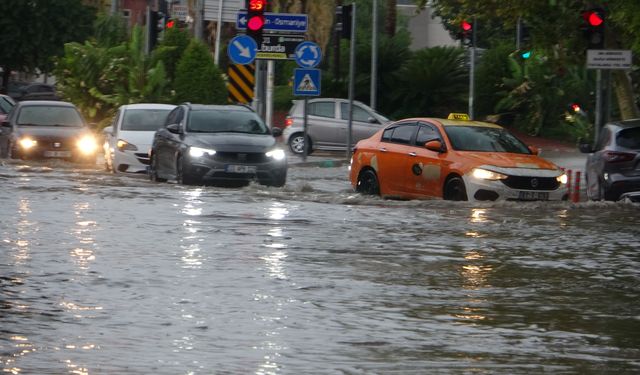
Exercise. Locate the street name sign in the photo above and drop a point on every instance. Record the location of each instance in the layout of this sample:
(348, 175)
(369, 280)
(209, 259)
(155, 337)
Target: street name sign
(284, 22)
(279, 46)
(608, 59)
(306, 82)
(242, 49)
(230, 9)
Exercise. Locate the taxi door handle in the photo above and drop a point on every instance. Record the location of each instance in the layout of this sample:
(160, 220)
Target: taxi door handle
(412, 154)
(383, 149)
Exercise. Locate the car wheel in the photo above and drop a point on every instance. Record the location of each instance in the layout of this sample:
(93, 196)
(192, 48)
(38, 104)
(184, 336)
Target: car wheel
(368, 183)
(277, 181)
(454, 190)
(181, 177)
(296, 144)
(153, 170)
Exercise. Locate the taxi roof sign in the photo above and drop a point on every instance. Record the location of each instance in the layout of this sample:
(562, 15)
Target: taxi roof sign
(458, 116)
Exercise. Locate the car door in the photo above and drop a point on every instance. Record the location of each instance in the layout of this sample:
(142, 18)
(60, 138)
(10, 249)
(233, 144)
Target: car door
(425, 167)
(595, 162)
(166, 143)
(323, 126)
(393, 155)
(364, 123)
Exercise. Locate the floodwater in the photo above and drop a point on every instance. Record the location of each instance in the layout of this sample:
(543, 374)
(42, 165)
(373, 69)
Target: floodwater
(112, 274)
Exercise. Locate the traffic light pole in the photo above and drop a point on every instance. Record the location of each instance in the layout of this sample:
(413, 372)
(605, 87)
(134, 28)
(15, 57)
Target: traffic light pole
(598, 114)
(374, 56)
(472, 68)
(352, 78)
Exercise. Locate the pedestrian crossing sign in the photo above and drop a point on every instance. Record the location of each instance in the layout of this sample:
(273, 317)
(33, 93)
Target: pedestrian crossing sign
(306, 82)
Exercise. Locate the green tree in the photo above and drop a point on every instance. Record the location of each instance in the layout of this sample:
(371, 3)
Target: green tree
(100, 79)
(35, 31)
(198, 79)
(171, 49)
(434, 82)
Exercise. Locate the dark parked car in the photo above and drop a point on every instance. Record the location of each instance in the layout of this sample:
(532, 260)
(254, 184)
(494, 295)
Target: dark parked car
(6, 104)
(613, 164)
(217, 144)
(36, 91)
(47, 129)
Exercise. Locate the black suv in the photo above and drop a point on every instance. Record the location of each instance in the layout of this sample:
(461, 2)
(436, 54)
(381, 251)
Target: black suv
(217, 144)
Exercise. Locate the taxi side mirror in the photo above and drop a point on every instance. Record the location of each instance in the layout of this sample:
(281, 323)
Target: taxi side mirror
(435, 145)
(534, 150)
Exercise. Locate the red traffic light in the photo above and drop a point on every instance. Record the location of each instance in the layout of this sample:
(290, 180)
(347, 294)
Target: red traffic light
(575, 107)
(255, 23)
(594, 17)
(170, 24)
(466, 26)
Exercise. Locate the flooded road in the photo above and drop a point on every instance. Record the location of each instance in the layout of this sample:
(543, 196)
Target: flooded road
(110, 274)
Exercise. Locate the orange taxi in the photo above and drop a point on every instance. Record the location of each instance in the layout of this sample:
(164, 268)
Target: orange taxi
(453, 159)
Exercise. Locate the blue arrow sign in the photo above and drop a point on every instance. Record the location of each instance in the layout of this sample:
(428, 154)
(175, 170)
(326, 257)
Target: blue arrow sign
(289, 22)
(242, 49)
(308, 55)
(306, 82)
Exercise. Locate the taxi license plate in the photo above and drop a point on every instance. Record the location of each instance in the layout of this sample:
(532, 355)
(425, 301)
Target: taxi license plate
(533, 196)
(57, 154)
(234, 168)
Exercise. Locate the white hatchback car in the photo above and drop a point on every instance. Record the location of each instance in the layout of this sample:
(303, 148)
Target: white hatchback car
(128, 139)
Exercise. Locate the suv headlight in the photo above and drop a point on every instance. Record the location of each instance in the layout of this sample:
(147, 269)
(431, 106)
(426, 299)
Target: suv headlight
(277, 154)
(27, 143)
(484, 174)
(87, 145)
(198, 152)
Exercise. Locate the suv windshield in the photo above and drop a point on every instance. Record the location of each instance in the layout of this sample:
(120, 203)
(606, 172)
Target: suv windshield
(479, 138)
(42, 115)
(144, 119)
(221, 120)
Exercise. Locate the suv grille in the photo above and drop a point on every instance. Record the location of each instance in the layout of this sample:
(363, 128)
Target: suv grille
(531, 183)
(240, 157)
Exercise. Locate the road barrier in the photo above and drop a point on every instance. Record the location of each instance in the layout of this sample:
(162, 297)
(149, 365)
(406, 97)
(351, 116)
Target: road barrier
(573, 186)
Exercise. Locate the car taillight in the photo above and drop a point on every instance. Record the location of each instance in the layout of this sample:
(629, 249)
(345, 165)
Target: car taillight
(288, 121)
(617, 157)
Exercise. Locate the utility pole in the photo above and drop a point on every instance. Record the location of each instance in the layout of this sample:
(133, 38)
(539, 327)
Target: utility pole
(472, 68)
(114, 7)
(352, 78)
(374, 56)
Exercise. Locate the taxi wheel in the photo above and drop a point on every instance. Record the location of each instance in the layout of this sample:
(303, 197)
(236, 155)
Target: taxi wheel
(368, 183)
(454, 190)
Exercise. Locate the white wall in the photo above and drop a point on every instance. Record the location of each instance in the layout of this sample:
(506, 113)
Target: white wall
(425, 31)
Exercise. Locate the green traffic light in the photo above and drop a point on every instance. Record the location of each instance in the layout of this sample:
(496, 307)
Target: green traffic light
(525, 55)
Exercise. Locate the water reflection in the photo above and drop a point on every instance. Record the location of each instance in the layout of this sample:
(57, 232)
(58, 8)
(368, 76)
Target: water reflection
(83, 232)
(191, 251)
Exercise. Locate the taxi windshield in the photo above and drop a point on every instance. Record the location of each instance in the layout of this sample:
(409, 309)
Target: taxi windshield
(484, 139)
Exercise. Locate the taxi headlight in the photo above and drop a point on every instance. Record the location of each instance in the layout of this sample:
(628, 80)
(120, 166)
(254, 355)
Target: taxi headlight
(124, 145)
(563, 179)
(277, 154)
(198, 152)
(87, 145)
(27, 143)
(483, 174)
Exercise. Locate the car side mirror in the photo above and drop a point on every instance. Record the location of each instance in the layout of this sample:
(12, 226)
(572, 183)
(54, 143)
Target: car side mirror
(276, 132)
(373, 120)
(435, 145)
(586, 148)
(108, 130)
(534, 150)
(5, 124)
(174, 128)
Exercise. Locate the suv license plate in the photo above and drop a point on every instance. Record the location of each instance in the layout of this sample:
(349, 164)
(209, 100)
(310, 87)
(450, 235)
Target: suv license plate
(533, 196)
(234, 168)
(57, 154)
